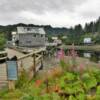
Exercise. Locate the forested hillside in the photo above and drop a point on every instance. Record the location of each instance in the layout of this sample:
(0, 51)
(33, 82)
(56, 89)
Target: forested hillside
(74, 33)
(49, 29)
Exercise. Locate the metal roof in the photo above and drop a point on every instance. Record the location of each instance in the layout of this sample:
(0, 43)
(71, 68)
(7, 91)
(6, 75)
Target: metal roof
(24, 30)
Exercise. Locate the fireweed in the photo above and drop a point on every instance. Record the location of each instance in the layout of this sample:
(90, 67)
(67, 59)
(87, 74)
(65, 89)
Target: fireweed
(61, 58)
(70, 64)
(73, 54)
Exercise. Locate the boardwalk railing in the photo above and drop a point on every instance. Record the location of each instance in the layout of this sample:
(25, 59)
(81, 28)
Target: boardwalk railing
(31, 62)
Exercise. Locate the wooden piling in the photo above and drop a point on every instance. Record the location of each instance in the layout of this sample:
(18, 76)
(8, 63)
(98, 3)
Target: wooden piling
(21, 67)
(11, 85)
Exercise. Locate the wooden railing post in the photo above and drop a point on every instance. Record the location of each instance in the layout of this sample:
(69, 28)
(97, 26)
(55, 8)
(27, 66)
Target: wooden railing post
(11, 85)
(42, 60)
(34, 65)
(21, 67)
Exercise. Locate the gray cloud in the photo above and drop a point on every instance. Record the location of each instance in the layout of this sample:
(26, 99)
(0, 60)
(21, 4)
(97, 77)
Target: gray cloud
(38, 5)
(11, 11)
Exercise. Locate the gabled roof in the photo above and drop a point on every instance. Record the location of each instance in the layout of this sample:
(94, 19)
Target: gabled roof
(25, 30)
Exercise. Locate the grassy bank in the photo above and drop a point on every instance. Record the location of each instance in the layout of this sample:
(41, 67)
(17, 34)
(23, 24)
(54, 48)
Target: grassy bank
(83, 47)
(78, 80)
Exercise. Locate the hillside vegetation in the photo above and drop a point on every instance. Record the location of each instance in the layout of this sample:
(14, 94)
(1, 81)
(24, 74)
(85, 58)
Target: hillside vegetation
(75, 34)
(2, 41)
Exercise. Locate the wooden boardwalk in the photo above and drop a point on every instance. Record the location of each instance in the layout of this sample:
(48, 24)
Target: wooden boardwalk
(3, 75)
(26, 60)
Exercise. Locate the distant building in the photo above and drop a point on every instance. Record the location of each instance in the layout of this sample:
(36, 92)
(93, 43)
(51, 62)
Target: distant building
(14, 38)
(30, 36)
(56, 40)
(87, 54)
(87, 41)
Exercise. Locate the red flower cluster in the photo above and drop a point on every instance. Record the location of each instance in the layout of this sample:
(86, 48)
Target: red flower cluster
(38, 83)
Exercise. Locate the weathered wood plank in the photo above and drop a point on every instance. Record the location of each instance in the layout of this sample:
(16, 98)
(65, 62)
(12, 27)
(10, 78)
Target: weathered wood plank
(26, 60)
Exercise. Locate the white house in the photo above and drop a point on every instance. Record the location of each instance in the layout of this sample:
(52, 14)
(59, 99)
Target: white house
(87, 40)
(56, 40)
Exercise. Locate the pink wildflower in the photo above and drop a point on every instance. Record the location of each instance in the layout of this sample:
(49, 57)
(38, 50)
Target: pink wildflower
(60, 54)
(81, 68)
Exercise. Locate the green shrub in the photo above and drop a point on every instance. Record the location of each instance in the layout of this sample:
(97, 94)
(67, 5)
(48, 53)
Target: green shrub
(88, 81)
(63, 64)
(11, 95)
(22, 80)
(81, 96)
(98, 93)
(2, 41)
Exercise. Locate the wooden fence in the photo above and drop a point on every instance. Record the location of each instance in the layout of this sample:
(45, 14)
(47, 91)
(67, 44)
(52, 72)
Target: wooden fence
(31, 62)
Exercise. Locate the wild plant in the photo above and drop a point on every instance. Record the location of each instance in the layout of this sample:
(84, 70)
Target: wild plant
(73, 54)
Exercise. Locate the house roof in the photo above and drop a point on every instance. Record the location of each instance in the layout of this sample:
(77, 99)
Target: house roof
(24, 30)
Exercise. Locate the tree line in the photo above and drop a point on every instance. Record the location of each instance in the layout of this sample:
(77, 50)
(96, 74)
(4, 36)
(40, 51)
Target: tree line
(74, 34)
(77, 33)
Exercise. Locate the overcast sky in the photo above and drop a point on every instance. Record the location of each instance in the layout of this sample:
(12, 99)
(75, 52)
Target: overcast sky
(58, 13)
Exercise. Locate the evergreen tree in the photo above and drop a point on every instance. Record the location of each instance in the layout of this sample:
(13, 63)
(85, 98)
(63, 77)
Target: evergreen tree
(98, 27)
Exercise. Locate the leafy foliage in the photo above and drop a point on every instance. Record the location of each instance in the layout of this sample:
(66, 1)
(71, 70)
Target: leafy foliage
(22, 80)
(88, 81)
(2, 41)
(98, 93)
(67, 86)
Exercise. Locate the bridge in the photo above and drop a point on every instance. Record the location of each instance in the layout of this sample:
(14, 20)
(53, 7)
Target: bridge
(28, 61)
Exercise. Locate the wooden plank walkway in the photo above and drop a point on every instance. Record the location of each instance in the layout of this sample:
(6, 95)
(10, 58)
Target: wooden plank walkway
(3, 71)
(3, 76)
(27, 61)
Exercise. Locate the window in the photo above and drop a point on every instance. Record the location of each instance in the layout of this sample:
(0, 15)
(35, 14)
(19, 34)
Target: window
(41, 35)
(28, 29)
(34, 35)
(28, 41)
